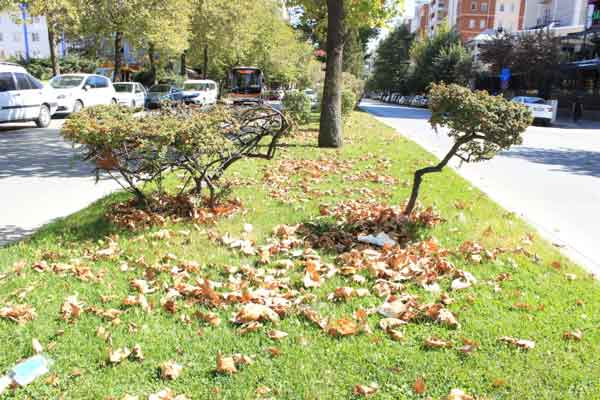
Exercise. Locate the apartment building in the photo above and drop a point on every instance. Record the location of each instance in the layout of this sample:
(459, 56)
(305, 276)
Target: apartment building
(471, 17)
(23, 37)
(543, 13)
(422, 17)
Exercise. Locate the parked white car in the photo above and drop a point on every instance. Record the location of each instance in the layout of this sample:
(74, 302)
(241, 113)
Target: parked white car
(312, 95)
(76, 91)
(200, 91)
(24, 98)
(538, 107)
(130, 94)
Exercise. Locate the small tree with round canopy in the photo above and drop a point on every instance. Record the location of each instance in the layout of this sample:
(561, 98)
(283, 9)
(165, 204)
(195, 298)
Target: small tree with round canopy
(480, 124)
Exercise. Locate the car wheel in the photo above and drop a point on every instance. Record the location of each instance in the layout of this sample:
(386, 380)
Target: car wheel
(78, 106)
(43, 120)
(113, 102)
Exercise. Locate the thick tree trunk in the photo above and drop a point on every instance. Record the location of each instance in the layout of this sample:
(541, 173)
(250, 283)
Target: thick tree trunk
(183, 70)
(53, 46)
(418, 179)
(152, 62)
(205, 66)
(330, 131)
(118, 56)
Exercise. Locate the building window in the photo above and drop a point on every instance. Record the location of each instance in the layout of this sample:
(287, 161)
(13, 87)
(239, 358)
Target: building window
(484, 7)
(17, 37)
(35, 37)
(1, 37)
(482, 24)
(473, 6)
(501, 7)
(471, 23)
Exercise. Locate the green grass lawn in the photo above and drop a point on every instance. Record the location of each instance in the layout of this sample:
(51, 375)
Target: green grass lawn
(544, 297)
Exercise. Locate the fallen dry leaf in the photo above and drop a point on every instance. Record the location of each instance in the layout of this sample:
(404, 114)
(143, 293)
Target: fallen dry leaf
(521, 343)
(342, 327)
(457, 394)
(225, 365)
(573, 335)
(167, 394)
(20, 313)
(136, 353)
(366, 390)
(419, 386)
(37, 346)
(436, 343)
(210, 317)
(390, 323)
(274, 351)
(276, 335)
(170, 370)
(118, 355)
(71, 309)
(262, 390)
(255, 312)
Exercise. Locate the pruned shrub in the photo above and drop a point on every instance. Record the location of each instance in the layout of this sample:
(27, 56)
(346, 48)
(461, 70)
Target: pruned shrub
(297, 105)
(480, 125)
(140, 149)
(348, 102)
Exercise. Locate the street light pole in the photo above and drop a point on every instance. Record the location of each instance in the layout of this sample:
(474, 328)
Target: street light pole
(23, 8)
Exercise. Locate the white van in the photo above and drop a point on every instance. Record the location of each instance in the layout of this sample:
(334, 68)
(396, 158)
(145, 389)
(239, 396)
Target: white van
(24, 98)
(200, 91)
(76, 91)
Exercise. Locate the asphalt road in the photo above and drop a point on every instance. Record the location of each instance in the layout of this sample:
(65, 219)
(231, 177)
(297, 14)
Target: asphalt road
(552, 180)
(40, 179)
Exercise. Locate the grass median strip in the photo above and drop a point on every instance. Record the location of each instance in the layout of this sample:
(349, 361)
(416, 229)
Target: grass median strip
(134, 312)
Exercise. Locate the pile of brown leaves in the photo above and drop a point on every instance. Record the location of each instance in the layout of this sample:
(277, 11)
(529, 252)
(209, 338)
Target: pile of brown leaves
(174, 208)
(363, 217)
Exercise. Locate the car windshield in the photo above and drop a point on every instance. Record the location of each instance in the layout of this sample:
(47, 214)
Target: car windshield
(309, 91)
(195, 86)
(123, 87)
(66, 81)
(160, 88)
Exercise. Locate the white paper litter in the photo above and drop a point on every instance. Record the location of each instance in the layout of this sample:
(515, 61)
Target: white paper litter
(380, 240)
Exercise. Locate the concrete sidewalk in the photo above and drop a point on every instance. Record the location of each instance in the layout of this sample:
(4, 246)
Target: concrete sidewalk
(40, 179)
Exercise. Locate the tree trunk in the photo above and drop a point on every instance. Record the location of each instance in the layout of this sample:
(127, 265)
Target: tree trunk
(205, 66)
(118, 56)
(418, 179)
(183, 63)
(52, 43)
(152, 62)
(330, 130)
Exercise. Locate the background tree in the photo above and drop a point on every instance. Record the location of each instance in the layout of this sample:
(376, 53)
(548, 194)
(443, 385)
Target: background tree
(391, 64)
(537, 59)
(247, 32)
(342, 15)
(441, 57)
(498, 53)
(164, 30)
(453, 64)
(480, 125)
(138, 21)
